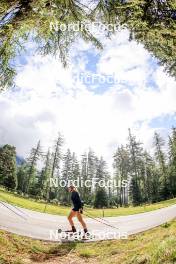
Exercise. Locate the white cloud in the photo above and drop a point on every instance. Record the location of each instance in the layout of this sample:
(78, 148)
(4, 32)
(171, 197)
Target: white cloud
(50, 100)
(128, 60)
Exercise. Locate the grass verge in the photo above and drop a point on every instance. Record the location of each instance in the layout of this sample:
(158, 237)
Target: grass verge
(152, 247)
(63, 210)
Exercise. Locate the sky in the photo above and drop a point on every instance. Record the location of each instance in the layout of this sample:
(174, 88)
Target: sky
(125, 88)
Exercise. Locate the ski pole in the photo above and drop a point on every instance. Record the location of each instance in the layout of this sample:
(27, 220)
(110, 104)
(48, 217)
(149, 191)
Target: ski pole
(13, 211)
(102, 222)
(97, 216)
(6, 201)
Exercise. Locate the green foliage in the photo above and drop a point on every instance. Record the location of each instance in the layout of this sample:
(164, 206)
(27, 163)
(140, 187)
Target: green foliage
(57, 155)
(22, 179)
(139, 177)
(35, 155)
(33, 18)
(151, 23)
(162, 168)
(121, 172)
(70, 173)
(8, 176)
(135, 193)
(101, 199)
(151, 178)
(172, 162)
(136, 166)
(43, 179)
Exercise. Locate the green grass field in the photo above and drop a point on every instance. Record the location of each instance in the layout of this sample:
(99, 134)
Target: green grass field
(63, 210)
(152, 247)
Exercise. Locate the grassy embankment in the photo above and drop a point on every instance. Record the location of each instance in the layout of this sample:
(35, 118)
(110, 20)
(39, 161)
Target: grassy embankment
(63, 210)
(152, 247)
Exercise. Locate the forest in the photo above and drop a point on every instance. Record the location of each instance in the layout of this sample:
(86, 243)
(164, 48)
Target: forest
(151, 177)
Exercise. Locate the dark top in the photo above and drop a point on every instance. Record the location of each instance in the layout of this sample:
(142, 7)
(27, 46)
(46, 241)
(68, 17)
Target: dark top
(76, 200)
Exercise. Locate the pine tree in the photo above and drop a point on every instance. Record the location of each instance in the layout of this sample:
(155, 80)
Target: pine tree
(172, 162)
(121, 167)
(76, 173)
(161, 160)
(22, 178)
(67, 175)
(150, 180)
(101, 199)
(57, 155)
(91, 172)
(45, 176)
(8, 176)
(56, 158)
(35, 155)
(89, 169)
(101, 169)
(83, 189)
(136, 161)
(67, 166)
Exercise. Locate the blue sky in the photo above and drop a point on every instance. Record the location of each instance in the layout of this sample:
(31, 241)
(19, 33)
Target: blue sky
(48, 98)
(164, 121)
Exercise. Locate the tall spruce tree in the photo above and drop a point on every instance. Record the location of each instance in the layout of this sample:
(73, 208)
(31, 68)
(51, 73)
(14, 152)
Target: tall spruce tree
(91, 171)
(56, 158)
(121, 166)
(162, 167)
(136, 160)
(8, 176)
(83, 177)
(22, 177)
(67, 175)
(150, 180)
(75, 169)
(101, 198)
(35, 155)
(44, 177)
(57, 155)
(172, 162)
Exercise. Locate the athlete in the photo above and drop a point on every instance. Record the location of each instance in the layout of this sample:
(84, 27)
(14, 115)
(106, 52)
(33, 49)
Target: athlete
(77, 209)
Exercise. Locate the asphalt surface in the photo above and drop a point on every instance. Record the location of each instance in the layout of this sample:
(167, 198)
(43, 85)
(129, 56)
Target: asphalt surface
(44, 226)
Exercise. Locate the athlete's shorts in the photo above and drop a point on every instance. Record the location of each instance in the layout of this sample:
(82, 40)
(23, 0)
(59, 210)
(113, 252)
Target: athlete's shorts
(76, 209)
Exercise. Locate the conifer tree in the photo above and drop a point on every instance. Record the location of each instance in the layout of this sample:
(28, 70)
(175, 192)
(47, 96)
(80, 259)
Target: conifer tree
(8, 176)
(172, 162)
(121, 167)
(44, 177)
(162, 167)
(35, 155)
(136, 155)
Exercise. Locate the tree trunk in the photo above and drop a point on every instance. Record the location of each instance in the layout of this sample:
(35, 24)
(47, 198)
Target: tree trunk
(14, 11)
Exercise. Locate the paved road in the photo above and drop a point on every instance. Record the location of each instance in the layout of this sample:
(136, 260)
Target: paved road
(44, 226)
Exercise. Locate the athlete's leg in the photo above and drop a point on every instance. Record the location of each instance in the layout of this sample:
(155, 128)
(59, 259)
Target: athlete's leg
(80, 219)
(70, 219)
